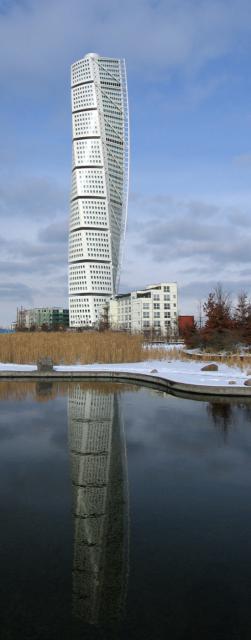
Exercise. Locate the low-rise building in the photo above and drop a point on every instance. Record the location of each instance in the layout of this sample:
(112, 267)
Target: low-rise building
(51, 317)
(152, 308)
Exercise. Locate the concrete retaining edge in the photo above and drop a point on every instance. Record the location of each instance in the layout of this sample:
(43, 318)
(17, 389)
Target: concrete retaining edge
(122, 376)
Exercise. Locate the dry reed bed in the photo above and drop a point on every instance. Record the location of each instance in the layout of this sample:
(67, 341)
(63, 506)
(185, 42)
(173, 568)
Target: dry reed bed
(73, 348)
(69, 348)
(232, 360)
(99, 347)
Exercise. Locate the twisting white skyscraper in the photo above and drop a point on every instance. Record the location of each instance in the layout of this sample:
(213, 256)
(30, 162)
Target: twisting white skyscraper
(99, 184)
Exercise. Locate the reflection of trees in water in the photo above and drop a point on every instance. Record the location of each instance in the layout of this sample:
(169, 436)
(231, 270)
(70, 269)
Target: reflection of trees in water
(246, 409)
(222, 415)
(223, 412)
(44, 390)
(17, 389)
(39, 390)
(97, 450)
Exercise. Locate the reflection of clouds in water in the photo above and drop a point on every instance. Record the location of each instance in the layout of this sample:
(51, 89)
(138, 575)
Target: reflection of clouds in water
(39, 427)
(177, 430)
(31, 452)
(97, 450)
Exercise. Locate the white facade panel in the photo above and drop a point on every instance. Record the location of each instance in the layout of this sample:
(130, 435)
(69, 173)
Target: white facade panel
(87, 152)
(85, 124)
(81, 71)
(85, 308)
(99, 184)
(90, 277)
(89, 213)
(91, 182)
(87, 245)
(83, 97)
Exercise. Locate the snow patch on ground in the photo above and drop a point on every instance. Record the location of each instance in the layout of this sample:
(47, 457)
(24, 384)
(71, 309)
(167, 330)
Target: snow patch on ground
(176, 370)
(166, 346)
(7, 366)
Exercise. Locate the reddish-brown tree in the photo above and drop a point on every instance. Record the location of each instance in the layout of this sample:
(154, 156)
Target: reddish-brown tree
(242, 318)
(218, 331)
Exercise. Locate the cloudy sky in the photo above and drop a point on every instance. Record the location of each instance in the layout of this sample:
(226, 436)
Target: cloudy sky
(188, 65)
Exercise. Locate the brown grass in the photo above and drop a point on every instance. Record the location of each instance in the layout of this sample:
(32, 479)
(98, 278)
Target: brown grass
(99, 347)
(73, 348)
(69, 348)
(232, 360)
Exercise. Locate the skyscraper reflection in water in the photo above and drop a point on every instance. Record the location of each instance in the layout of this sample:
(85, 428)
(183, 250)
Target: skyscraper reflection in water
(100, 504)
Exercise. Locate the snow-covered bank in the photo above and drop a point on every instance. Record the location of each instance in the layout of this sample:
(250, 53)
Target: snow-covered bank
(187, 372)
(176, 370)
(7, 366)
(165, 346)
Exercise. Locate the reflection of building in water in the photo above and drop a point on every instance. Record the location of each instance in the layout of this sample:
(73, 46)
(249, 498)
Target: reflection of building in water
(97, 449)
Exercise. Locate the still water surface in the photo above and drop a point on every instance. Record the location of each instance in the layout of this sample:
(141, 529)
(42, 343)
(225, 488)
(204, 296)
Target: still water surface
(125, 514)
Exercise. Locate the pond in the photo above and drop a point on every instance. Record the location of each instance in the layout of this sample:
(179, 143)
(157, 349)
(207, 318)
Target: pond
(125, 514)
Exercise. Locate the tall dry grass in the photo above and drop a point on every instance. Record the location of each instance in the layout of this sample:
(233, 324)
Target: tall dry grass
(73, 348)
(232, 359)
(99, 347)
(69, 348)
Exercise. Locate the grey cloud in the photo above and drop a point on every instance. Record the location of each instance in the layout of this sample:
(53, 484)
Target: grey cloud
(200, 290)
(195, 243)
(39, 265)
(186, 34)
(196, 270)
(179, 230)
(3, 243)
(134, 197)
(200, 209)
(17, 292)
(53, 252)
(33, 197)
(218, 252)
(245, 272)
(170, 205)
(12, 268)
(56, 232)
(44, 266)
(60, 289)
(239, 218)
(191, 229)
(170, 213)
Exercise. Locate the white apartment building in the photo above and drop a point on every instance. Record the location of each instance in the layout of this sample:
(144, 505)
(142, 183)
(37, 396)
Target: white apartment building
(100, 168)
(155, 307)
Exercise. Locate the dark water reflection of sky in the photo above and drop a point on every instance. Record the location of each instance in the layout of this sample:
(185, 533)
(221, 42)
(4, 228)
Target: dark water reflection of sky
(186, 469)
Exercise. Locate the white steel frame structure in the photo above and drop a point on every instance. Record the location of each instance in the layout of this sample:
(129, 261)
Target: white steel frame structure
(100, 178)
